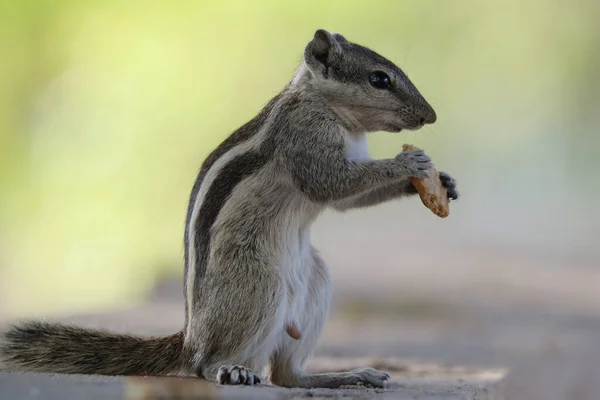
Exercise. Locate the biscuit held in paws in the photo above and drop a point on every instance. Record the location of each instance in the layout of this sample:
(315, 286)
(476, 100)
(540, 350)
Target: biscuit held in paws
(431, 191)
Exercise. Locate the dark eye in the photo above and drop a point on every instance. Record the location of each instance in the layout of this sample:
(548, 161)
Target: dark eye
(380, 80)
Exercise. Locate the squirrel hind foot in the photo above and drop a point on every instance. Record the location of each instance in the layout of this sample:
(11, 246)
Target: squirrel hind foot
(236, 375)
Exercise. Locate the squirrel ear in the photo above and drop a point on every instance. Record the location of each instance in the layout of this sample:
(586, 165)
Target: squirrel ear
(321, 52)
(339, 38)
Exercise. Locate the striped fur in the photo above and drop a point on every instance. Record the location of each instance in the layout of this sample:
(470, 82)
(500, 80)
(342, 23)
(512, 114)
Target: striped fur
(240, 136)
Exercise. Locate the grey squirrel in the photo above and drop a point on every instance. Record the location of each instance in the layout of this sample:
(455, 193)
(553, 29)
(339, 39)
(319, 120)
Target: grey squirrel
(257, 293)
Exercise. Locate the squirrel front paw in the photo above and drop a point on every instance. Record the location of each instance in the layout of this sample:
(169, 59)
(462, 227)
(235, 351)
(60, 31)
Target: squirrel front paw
(415, 163)
(450, 184)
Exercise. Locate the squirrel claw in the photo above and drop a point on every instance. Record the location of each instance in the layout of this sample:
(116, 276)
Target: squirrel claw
(236, 375)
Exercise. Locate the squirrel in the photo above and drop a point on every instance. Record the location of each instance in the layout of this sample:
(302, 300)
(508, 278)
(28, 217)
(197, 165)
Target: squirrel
(257, 293)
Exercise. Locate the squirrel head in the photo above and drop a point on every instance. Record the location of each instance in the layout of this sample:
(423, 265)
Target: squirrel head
(366, 90)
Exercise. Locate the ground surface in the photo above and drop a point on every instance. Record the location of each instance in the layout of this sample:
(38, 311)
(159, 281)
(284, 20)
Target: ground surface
(407, 382)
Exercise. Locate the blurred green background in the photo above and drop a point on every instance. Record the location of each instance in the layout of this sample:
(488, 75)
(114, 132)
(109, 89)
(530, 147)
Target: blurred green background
(107, 110)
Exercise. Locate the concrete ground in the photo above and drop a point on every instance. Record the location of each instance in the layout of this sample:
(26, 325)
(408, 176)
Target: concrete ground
(407, 382)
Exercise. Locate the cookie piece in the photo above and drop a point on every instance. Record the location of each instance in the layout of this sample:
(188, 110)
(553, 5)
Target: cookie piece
(431, 191)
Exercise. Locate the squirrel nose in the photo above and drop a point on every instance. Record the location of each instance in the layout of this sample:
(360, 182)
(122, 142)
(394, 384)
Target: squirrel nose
(429, 116)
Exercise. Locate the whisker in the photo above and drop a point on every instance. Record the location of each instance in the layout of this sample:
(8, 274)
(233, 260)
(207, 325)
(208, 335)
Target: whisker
(432, 131)
(414, 134)
(406, 55)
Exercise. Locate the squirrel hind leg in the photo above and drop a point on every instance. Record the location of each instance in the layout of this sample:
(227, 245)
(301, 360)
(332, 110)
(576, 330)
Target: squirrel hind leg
(230, 339)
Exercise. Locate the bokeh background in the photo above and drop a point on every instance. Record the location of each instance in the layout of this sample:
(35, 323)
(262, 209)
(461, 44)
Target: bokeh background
(107, 110)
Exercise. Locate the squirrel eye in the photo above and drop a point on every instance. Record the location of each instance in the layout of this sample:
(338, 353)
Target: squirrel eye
(380, 80)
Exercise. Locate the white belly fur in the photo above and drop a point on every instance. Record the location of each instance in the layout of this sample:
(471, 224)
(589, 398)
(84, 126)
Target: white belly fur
(357, 148)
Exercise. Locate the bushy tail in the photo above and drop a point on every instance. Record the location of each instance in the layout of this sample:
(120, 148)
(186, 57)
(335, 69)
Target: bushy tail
(48, 347)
